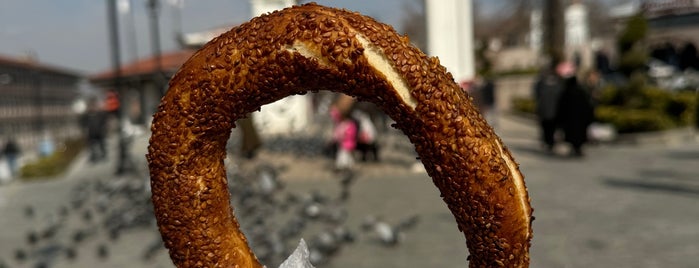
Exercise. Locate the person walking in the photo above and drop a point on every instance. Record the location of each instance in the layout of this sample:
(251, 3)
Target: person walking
(487, 102)
(94, 122)
(250, 140)
(11, 152)
(547, 91)
(366, 136)
(575, 114)
(344, 132)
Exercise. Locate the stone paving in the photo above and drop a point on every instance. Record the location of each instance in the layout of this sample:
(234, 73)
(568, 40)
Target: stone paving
(623, 205)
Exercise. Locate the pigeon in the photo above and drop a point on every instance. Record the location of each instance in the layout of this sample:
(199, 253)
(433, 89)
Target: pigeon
(152, 249)
(71, 254)
(29, 212)
(20, 255)
(32, 237)
(387, 234)
(267, 180)
(102, 251)
(51, 230)
(81, 235)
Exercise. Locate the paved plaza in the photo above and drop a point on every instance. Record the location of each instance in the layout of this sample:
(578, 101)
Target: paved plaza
(628, 204)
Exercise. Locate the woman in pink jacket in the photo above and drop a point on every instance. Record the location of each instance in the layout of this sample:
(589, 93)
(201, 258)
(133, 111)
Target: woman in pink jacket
(345, 136)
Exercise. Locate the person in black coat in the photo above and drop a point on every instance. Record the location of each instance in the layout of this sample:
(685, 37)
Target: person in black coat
(575, 114)
(547, 90)
(94, 121)
(11, 151)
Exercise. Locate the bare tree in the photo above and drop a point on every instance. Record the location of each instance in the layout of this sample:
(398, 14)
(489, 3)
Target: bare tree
(554, 30)
(508, 21)
(414, 23)
(598, 17)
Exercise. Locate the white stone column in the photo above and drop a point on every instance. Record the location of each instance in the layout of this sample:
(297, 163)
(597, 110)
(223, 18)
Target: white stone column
(260, 7)
(577, 33)
(291, 114)
(450, 36)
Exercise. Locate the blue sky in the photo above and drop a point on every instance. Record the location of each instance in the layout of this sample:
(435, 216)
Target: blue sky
(73, 34)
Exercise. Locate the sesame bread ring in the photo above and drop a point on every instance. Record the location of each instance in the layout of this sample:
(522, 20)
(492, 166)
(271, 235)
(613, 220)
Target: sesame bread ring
(310, 48)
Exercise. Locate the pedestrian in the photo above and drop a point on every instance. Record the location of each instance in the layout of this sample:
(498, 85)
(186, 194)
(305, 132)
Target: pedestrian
(547, 90)
(366, 136)
(575, 114)
(47, 146)
(592, 84)
(250, 140)
(486, 99)
(94, 122)
(602, 64)
(344, 133)
(112, 104)
(11, 152)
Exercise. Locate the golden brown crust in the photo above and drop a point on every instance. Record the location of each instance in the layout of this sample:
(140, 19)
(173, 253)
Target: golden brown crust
(317, 48)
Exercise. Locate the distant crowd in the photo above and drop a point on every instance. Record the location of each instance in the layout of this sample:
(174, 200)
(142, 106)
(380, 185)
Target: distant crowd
(565, 103)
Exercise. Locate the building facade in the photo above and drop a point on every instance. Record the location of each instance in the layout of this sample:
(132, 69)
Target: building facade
(36, 102)
(142, 83)
(290, 114)
(673, 29)
(675, 22)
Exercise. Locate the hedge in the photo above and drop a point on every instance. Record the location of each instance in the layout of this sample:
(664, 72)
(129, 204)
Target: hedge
(54, 164)
(636, 109)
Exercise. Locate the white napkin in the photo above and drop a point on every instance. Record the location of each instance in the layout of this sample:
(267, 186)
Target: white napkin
(300, 258)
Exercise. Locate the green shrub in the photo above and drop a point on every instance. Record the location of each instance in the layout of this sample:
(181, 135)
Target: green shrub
(610, 95)
(634, 31)
(632, 109)
(515, 72)
(636, 94)
(633, 120)
(54, 164)
(524, 105)
(633, 60)
(630, 45)
(654, 98)
(636, 107)
(682, 107)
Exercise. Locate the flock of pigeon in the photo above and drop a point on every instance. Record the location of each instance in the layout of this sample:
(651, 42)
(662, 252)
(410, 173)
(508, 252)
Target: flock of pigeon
(96, 209)
(273, 218)
(319, 217)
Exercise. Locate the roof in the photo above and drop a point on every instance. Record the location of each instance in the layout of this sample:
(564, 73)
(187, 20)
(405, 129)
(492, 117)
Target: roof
(666, 8)
(35, 65)
(170, 62)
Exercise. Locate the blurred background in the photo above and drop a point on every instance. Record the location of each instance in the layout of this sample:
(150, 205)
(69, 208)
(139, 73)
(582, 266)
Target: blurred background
(597, 100)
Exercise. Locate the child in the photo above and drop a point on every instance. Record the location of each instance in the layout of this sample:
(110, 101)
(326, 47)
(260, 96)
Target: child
(345, 136)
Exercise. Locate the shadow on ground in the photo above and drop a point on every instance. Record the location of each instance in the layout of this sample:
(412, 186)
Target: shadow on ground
(663, 186)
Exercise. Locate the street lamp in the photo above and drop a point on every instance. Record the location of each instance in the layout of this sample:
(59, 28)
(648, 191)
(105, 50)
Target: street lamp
(154, 10)
(124, 164)
(38, 101)
(5, 79)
